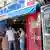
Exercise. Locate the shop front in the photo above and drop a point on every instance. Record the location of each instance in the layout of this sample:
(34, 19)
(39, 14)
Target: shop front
(17, 17)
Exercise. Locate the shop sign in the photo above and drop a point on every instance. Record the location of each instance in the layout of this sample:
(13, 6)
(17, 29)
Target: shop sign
(29, 2)
(15, 6)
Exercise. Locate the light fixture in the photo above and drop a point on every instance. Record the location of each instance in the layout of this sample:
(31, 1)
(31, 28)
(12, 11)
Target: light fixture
(14, 20)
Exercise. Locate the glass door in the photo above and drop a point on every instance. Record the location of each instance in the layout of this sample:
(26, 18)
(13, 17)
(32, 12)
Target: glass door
(45, 17)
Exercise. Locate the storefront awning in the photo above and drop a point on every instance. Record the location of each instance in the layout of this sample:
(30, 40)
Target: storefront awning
(13, 11)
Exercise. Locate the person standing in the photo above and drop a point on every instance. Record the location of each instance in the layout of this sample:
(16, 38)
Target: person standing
(22, 39)
(11, 39)
(18, 40)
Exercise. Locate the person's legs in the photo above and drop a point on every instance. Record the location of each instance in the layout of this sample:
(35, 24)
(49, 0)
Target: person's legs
(14, 45)
(22, 44)
(9, 45)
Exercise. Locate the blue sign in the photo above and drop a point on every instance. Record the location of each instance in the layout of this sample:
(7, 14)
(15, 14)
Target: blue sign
(19, 4)
(17, 9)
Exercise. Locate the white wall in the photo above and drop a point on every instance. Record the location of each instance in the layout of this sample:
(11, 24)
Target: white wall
(1, 3)
(8, 1)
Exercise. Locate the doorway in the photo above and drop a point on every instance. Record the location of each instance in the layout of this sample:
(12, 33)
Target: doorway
(16, 24)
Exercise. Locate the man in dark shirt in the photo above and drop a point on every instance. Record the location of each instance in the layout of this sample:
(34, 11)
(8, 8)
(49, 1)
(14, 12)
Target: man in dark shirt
(17, 40)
